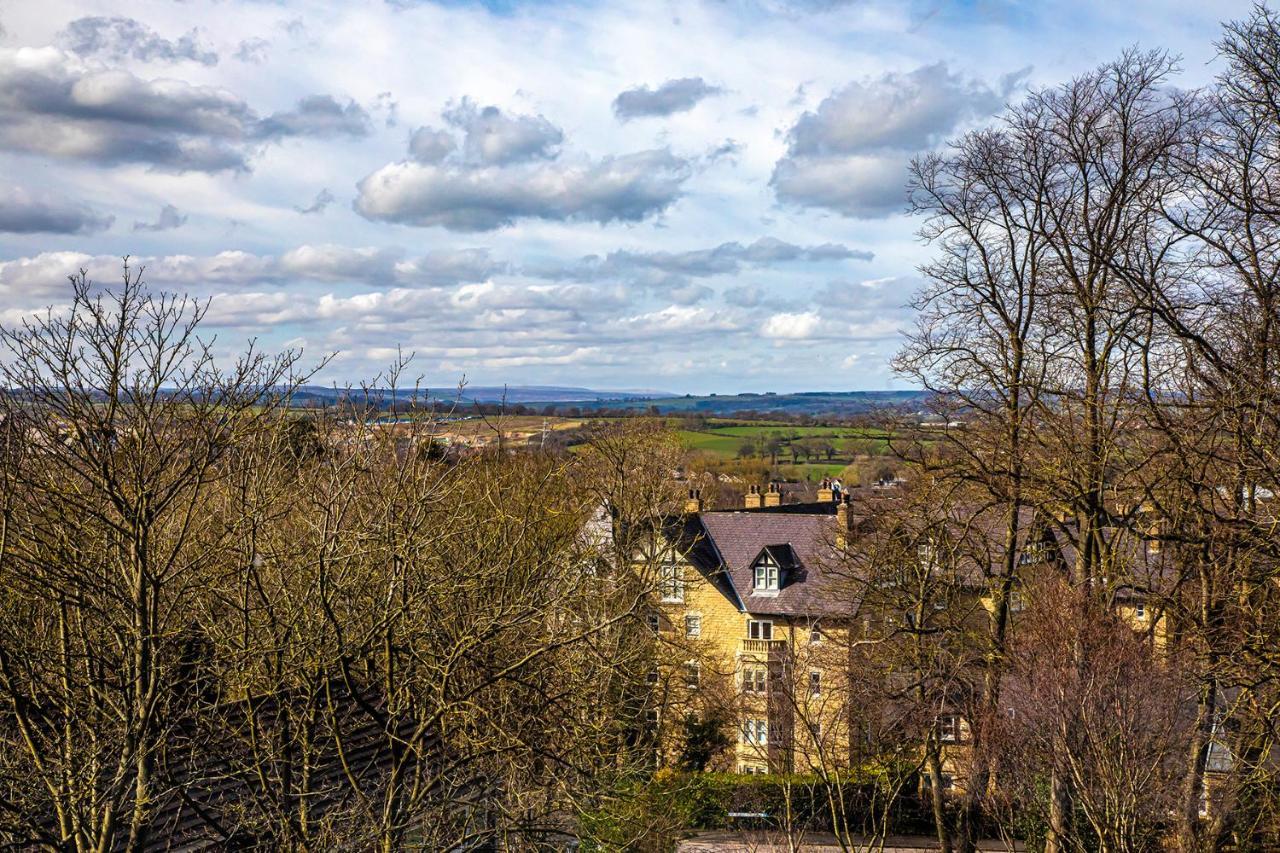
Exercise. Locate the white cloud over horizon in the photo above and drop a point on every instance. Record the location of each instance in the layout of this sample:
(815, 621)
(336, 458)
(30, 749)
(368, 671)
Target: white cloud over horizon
(704, 195)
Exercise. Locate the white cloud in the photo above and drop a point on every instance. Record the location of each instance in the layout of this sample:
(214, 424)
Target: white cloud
(626, 188)
(791, 326)
(851, 154)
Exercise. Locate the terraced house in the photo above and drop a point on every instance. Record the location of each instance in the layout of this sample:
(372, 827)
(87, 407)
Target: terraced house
(765, 612)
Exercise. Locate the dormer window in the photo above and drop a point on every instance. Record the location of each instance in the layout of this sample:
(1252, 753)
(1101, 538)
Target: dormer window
(765, 574)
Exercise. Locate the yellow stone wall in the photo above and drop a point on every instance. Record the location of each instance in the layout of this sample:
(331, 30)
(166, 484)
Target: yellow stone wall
(723, 651)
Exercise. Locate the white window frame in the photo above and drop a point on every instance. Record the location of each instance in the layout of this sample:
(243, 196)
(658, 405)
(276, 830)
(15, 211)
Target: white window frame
(815, 682)
(949, 728)
(693, 674)
(759, 629)
(927, 555)
(765, 574)
(693, 625)
(1140, 611)
(815, 634)
(755, 679)
(654, 621)
(671, 582)
(755, 731)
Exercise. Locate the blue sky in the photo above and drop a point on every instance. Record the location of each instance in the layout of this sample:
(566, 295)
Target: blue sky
(693, 196)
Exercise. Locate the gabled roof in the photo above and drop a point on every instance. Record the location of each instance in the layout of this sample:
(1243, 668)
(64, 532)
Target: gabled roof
(783, 556)
(726, 545)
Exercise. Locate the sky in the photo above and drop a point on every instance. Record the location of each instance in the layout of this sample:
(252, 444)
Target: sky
(697, 196)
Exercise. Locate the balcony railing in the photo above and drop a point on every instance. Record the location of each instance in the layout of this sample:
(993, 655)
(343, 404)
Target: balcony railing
(761, 645)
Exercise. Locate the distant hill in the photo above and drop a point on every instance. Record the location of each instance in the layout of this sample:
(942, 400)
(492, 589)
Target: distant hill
(803, 402)
(589, 400)
(513, 394)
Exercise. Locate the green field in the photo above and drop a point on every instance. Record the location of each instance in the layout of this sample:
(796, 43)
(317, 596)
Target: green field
(724, 440)
(725, 446)
(785, 430)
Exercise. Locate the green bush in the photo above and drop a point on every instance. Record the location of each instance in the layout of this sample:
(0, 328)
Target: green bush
(653, 814)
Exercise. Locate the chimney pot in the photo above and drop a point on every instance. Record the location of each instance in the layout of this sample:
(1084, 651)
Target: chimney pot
(774, 496)
(825, 493)
(694, 502)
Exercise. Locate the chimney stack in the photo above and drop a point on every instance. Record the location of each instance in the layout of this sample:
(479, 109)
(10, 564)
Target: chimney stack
(753, 497)
(844, 522)
(825, 493)
(693, 503)
(773, 497)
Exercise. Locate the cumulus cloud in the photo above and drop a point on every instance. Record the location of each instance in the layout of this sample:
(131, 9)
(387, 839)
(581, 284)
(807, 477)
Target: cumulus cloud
(494, 138)
(323, 199)
(626, 188)
(168, 219)
(673, 96)
(55, 104)
(724, 259)
(895, 111)
(797, 326)
(22, 212)
(316, 115)
(455, 266)
(850, 154)
(45, 273)
(428, 145)
(120, 38)
(860, 186)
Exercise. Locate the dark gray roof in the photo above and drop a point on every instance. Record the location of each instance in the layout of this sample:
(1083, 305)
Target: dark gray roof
(725, 546)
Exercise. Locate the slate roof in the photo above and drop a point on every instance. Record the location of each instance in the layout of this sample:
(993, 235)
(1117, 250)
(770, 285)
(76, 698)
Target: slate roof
(725, 545)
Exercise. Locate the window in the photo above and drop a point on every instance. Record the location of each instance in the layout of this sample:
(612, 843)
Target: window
(815, 683)
(1140, 611)
(816, 728)
(693, 625)
(1016, 602)
(1032, 553)
(693, 675)
(670, 583)
(655, 622)
(754, 679)
(759, 629)
(766, 574)
(948, 728)
(927, 553)
(651, 716)
(754, 770)
(815, 634)
(652, 676)
(756, 732)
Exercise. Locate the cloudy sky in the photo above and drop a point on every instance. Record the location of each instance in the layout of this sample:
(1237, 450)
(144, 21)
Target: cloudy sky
(704, 195)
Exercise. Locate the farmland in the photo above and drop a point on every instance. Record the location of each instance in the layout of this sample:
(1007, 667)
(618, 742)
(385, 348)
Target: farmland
(812, 452)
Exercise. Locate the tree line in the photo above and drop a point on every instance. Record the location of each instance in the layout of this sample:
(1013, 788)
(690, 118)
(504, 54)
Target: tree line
(222, 622)
(1100, 313)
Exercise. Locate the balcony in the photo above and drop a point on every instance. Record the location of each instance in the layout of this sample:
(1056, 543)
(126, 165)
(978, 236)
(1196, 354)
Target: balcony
(762, 646)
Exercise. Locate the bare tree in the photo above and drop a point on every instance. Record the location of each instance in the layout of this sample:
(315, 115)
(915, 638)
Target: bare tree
(116, 425)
